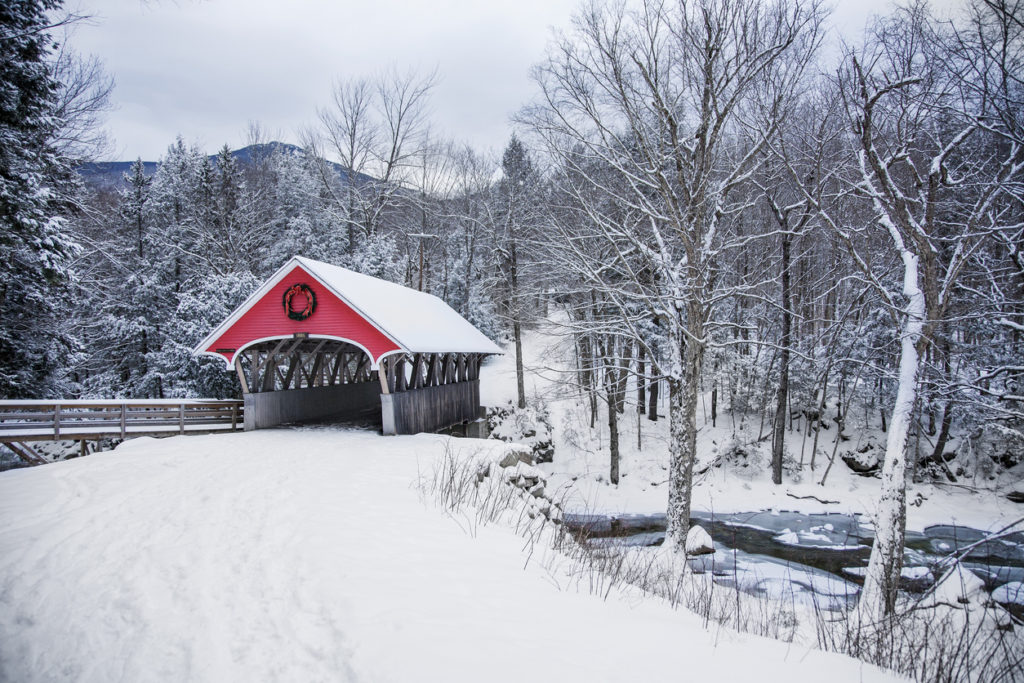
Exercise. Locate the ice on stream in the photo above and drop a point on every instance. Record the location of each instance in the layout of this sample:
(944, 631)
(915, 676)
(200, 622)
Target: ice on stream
(776, 579)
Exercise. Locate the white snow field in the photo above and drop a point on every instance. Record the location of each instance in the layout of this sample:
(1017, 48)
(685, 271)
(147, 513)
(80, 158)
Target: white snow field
(311, 555)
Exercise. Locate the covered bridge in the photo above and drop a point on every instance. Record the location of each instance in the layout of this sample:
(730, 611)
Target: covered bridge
(318, 342)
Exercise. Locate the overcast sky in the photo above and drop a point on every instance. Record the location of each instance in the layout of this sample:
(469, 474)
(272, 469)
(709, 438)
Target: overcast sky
(205, 69)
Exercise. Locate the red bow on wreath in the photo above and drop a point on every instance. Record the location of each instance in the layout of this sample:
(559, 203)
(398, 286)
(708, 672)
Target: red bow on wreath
(303, 313)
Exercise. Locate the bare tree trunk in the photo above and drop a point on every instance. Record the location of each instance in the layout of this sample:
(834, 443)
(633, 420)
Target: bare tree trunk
(883, 574)
(517, 329)
(641, 372)
(947, 410)
(714, 404)
(652, 406)
(683, 442)
(613, 437)
(520, 383)
(782, 396)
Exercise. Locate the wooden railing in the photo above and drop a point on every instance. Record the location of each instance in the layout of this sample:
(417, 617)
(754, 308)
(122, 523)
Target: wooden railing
(22, 421)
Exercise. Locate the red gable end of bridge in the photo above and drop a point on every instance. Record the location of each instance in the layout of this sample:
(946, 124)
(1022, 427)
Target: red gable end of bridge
(267, 318)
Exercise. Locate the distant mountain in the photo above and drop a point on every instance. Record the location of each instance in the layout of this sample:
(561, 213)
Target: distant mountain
(110, 174)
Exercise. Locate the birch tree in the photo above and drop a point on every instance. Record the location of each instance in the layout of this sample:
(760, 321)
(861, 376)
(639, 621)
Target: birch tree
(932, 163)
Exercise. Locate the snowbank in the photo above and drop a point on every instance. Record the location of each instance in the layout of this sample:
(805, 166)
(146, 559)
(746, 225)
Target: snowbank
(310, 556)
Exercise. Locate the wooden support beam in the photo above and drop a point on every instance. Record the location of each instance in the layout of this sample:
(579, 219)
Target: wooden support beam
(337, 365)
(241, 375)
(25, 452)
(431, 369)
(277, 376)
(269, 367)
(417, 371)
(449, 368)
(382, 375)
(254, 357)
(293, 364)
(341, 367)
(271, 355)
(315, 377)
(401, 384)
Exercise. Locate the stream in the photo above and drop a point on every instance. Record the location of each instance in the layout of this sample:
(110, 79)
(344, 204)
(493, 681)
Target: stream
(782, 553)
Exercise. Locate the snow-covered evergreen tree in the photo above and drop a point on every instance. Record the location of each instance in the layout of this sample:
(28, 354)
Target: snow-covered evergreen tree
(34, 250)
(200, 309)
(517, 198)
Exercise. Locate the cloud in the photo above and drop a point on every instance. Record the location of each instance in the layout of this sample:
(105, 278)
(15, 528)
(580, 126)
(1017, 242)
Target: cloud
(205, 69)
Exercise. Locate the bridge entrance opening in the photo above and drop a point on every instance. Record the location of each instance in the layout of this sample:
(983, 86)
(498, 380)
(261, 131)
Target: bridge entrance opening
(298, 379)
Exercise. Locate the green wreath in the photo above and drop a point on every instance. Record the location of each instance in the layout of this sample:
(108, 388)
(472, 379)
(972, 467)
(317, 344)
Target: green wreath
(286, 301)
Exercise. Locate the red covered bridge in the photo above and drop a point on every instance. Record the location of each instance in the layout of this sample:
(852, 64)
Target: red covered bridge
(317, 341)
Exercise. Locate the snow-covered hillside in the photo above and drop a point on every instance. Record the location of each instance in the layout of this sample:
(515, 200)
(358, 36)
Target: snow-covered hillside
(312, 555)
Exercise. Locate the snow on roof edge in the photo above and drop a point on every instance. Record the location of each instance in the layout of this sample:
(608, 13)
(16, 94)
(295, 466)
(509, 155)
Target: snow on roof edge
(413, 326)
(420, 322)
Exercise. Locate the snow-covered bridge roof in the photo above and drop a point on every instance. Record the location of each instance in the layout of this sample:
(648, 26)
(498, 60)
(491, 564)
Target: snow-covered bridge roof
(307, 297)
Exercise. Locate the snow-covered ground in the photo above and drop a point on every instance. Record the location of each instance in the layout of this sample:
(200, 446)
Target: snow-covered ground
(580, 467)
(311, 555)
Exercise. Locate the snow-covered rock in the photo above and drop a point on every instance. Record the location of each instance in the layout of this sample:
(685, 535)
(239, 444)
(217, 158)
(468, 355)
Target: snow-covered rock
(914, 579)
(1001, 443)
(1009, 594)
(959, 586)
(522, 472)
(698, 541)
(787, 537)
(865, 461)
(516, 454)
(530, 427)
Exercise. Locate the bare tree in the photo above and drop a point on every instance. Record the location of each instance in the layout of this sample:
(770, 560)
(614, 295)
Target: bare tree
(669, 96)
(932, 165)
(375, 129)
(82, 101)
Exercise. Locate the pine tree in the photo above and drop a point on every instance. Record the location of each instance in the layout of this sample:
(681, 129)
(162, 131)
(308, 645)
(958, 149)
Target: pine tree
(517, 196)
(133, 202)
(34, 252)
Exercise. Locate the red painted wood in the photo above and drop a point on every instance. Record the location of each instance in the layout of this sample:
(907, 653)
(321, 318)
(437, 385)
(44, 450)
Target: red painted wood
(332, 317)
